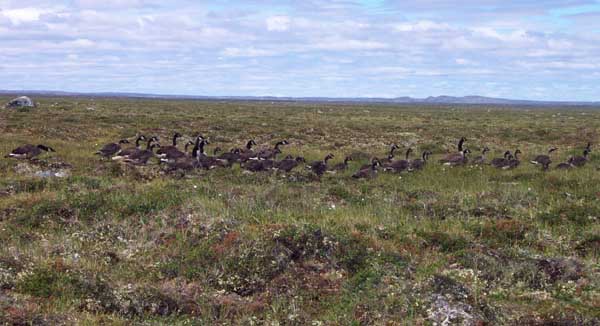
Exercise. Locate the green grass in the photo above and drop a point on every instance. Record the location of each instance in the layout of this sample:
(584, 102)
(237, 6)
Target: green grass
(113, 244)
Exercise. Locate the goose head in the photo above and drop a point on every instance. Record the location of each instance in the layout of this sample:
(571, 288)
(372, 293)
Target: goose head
(375, 162)
(188, 144)
(217, 150)
(347, 159)
(328, 157)
(426, 155)
(586, 152)
(485, 150)
(552, 149)
(300, 159)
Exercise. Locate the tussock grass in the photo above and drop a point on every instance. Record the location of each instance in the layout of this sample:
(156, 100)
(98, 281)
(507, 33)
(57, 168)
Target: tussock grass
(113, 244)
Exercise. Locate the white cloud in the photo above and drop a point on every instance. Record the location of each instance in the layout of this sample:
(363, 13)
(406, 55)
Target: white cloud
(246, 52)
(278, 23)
(421, 26)
(23, 15)
(348, 45)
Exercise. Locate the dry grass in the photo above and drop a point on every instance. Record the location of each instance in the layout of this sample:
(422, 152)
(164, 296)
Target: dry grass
(112, 244)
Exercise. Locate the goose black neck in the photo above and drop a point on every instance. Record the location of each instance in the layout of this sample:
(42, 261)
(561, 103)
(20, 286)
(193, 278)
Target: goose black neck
(196, 147)
(175, 139)
(460, 144)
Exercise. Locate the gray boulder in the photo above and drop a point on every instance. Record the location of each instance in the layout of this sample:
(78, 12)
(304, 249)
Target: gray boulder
(20, 102)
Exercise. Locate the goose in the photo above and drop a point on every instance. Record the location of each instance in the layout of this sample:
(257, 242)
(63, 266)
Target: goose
(207, 162)
(544, 160)
(399, 165)
(248, 153)
(460, 159)
(455, 157)
(579, 161)
(341, 166)
(368, 173)
(29, 151)
(270, 153)
(289, 163)
(142, 157)
(269, 164)
(566, 165)
(319, 167)
(186, 163)
(231, 156)
(513, 161)
(111, 149)
(392, 153)
(461, 141)
(171, 152)
(499, 162)
(126, 152)
(479, 160)
(419, 164)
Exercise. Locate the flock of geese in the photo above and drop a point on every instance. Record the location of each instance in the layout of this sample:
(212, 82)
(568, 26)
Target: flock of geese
(176, 159)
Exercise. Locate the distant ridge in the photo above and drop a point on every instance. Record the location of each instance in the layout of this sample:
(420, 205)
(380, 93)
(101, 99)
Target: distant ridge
(433, 100)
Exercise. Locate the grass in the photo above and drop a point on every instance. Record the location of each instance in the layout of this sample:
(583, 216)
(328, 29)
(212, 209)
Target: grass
(114, 244)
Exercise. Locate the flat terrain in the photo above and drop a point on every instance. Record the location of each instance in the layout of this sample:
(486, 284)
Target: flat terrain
(112, 244)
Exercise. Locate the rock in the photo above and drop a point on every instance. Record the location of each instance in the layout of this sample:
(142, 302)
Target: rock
(20, 102)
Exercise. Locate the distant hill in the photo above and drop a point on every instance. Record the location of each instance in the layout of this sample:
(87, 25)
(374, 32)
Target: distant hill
(437, 100)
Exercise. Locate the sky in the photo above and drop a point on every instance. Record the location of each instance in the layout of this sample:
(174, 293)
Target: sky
(526, 49)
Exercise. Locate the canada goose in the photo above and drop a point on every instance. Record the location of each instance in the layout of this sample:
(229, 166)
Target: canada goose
(186, 163)
(513, 161)
(248, 153)
(269, 164)
(579, 161)
(392, 153)
(565, 165)
(126, 152)
(500, 162)
(341, 166)
(451, 158)
(171, 152)
(461, 141)
(544, 160)
(142, 157)
(479, 160)
(289, 163)
(208, 162)
(419, 164)
(368, 173)
(29, 151)
(111, 149)
(270, 153)
(254, 165)
(231, 156)
(319, 167)
(399, 165)
(460, 159)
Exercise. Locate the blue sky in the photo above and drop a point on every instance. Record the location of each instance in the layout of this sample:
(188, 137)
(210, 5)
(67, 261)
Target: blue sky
(547, 50)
